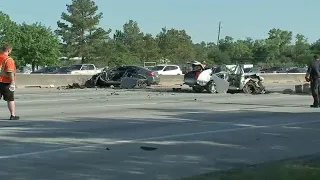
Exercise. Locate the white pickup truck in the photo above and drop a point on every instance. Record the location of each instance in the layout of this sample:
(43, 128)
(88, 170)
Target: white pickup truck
(84, 69)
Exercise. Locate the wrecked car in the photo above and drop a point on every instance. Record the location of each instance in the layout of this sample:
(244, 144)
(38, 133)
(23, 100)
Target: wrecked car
(125, 77)
(221, 79)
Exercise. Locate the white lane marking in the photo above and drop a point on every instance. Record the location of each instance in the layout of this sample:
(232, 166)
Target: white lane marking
(164, 120)
(151, 138)
(273, 134)
(75, 99)
(44, 100)
(78, 106)
(248, 125)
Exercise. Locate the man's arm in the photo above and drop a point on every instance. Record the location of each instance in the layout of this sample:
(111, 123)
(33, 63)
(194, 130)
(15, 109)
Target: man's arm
(11, 76)
(10, 70)
(307, 77)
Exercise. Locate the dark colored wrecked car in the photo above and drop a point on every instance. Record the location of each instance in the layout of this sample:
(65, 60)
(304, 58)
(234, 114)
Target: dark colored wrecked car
(136, 75)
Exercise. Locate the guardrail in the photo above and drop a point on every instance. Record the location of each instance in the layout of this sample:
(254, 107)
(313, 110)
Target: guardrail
(42, 80)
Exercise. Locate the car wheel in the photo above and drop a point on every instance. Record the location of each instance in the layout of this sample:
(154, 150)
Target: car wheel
(210, 88)
(141, 84)
(250, 88)
(198, 89)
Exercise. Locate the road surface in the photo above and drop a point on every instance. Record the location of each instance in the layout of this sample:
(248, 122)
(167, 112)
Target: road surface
(108, 134)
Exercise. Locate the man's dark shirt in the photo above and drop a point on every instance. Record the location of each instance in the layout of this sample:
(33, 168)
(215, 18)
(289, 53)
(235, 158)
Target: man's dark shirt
(314, 69)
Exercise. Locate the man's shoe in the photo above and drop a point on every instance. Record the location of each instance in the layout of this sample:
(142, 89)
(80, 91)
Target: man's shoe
(314, 106)
(14, 117)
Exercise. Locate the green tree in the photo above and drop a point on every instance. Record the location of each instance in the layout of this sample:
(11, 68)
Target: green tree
(150, 50)
(9, 31)
(201, 51)
(40, 46)
(315, 47)
(132, 37)
(175, 45)
(118, 54)
(277, 43)
(260, 53)
(301, 53)
(80, 32)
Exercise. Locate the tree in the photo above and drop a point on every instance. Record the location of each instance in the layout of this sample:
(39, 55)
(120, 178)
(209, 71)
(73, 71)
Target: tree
(175, 45)
(40, 46)
(277, 43)
(9, 32)
(132, 37)
(201, 51)
(150, 50)
(80, 33)
(301, 53)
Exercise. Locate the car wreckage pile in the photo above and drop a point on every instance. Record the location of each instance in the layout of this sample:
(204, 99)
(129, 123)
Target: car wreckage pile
(214, 80)
(221, 79)
(127, 77)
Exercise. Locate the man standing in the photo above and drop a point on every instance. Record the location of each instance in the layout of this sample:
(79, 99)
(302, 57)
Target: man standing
(313, 76)
(7, 79)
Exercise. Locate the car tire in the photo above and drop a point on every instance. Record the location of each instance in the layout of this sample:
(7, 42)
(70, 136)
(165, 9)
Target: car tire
(210, 88)
(141, 84)
(198, 89)
(250, 88)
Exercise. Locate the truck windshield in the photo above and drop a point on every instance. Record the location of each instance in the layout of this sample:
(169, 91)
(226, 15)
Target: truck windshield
(75, 67)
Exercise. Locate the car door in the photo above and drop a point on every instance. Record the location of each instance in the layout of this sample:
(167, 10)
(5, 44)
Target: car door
(172, 70)
(175, 70)
(83, 69)
(91, 69)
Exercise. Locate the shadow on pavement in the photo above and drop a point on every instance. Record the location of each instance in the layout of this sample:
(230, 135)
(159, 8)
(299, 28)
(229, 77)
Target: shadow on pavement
(167, 147)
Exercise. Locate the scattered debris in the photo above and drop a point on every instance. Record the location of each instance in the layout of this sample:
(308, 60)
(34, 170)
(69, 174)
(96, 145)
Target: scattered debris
(288, 91)
(75, 86)
(114, 93)
(148, 148)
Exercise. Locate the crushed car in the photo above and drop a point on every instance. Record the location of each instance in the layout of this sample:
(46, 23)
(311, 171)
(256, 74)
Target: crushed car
(221, 79)
(125, 77)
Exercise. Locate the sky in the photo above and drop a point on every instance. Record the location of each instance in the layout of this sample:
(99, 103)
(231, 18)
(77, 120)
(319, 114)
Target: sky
(239, 18)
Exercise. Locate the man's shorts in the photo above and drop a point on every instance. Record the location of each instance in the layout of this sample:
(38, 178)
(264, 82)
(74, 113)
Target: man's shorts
(5, 92)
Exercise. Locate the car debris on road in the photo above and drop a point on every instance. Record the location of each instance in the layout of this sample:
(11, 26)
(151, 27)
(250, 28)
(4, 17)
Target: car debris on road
(124, 77)
(222, 79)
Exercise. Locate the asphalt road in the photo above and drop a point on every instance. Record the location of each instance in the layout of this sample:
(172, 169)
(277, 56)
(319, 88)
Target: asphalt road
(98, 134)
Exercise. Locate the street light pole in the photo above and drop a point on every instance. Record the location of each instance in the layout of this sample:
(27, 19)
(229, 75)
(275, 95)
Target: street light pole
(219, 30)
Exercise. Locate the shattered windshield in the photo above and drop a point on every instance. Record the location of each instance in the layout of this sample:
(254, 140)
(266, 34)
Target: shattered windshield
(157, 68)
(246, 70)
(221, 68)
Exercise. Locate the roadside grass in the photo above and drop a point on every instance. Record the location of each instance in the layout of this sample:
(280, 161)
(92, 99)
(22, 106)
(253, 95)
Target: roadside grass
(297, 169)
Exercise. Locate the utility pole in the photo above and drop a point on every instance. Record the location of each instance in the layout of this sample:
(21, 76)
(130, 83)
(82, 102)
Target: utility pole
(219, 30)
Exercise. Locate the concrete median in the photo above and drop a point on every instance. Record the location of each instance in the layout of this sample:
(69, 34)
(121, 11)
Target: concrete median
(47, 80)
(53, 80)
(272, 78)
(283, 78)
